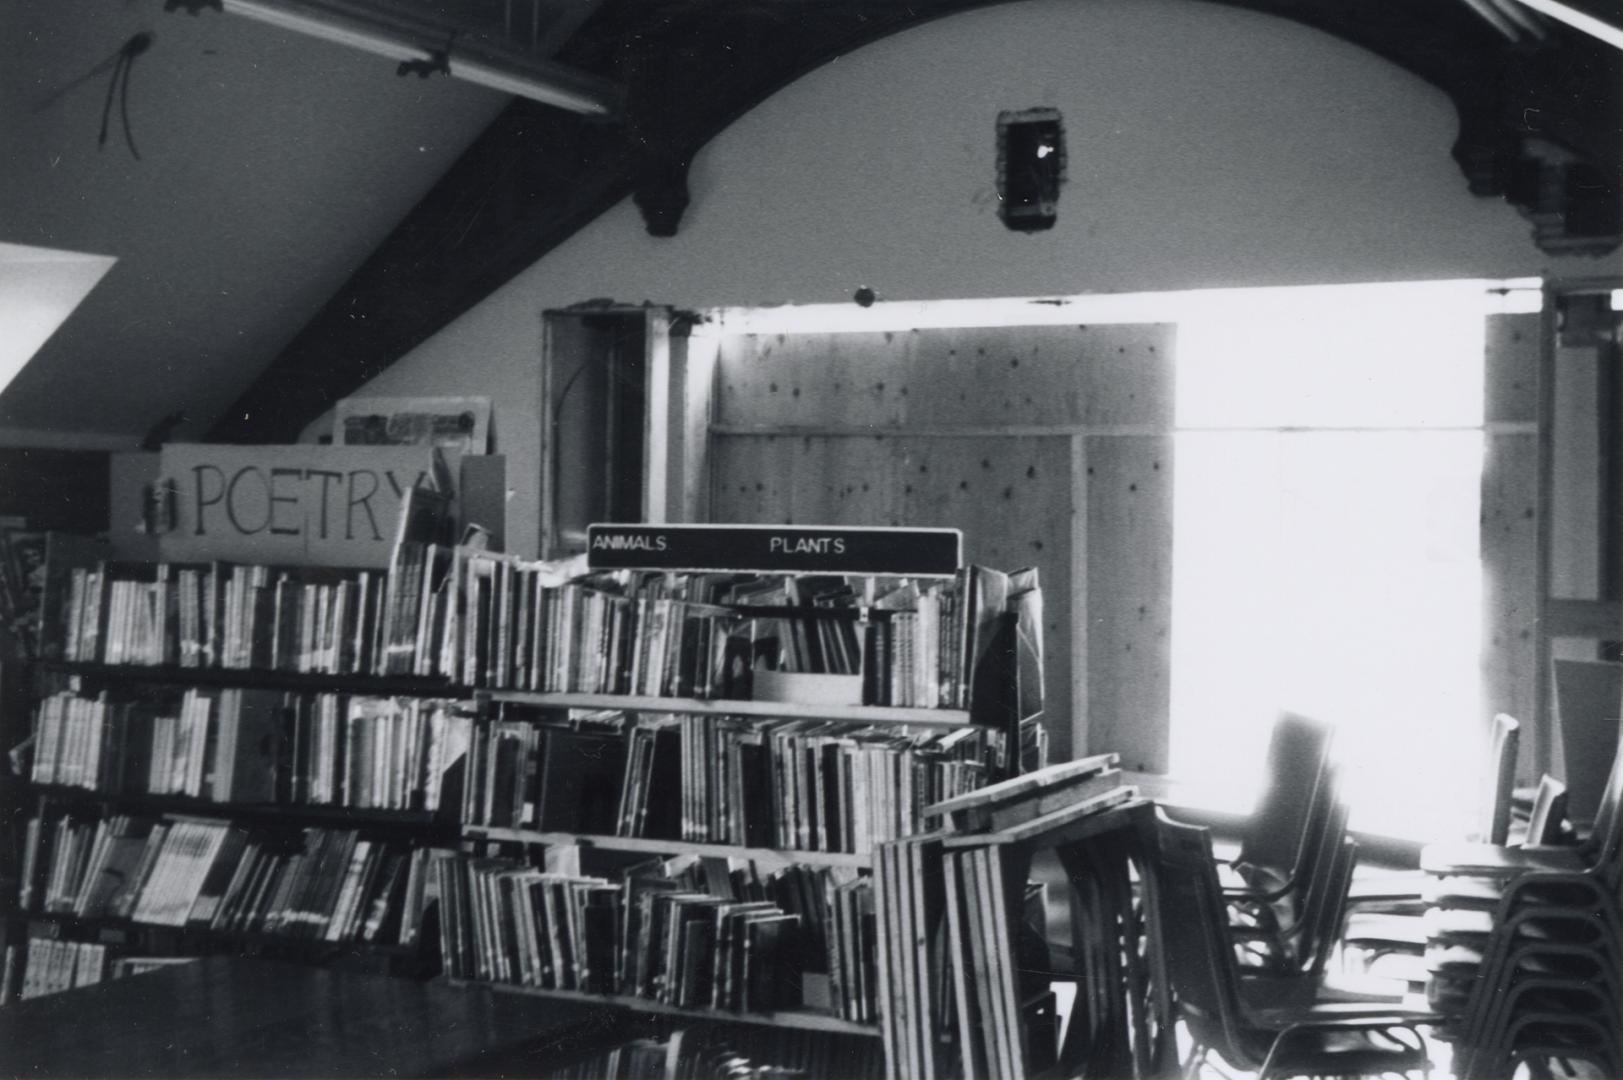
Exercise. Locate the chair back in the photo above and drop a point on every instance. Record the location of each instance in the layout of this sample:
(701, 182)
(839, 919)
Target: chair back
(1199, 957)
(1334, 918)
(1278, 834)
(1604, 845)
(1588, 697)
(1498, 780)
(1324, 894)
(1546, 823)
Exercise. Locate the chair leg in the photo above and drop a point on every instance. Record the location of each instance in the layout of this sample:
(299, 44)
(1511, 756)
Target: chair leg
(1191, 1068)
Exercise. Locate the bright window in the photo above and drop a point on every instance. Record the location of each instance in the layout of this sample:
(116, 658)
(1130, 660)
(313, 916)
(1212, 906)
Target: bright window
(1326, 549)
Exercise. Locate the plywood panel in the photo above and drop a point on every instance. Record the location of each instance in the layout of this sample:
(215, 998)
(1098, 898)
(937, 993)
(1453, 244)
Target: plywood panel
(1510, 375)
(1575, 477)
(1510, 586)
(1129, 598)
(1010, 496)
(979, 377)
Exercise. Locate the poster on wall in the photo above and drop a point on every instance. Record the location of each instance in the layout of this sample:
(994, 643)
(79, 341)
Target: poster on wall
(450, 423)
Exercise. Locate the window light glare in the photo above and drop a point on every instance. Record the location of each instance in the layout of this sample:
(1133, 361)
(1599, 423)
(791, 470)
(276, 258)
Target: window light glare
(39, 289)
(1326, 554)
(1099, 309)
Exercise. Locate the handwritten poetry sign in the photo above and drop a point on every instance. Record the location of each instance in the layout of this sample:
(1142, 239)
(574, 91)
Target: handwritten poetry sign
(297, 504)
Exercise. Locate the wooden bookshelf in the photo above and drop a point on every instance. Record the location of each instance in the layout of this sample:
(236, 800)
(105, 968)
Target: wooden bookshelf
(766, 856)
(778, 710)
(811, 769)
(805, 1019)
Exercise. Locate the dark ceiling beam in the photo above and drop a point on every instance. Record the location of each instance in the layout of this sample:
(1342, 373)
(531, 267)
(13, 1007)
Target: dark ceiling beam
(1539, 125)
(512, 195)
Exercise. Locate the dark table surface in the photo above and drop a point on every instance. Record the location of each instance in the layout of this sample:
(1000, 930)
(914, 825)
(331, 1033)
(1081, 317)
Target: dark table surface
(232, 1017)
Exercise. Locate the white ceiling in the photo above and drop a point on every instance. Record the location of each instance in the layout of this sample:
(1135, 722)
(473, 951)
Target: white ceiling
(270, 166)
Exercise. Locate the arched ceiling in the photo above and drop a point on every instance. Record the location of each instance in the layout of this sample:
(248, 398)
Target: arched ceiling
(1541, 125)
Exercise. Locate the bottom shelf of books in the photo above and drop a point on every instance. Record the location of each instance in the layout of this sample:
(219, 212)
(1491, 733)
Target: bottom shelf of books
(712, 938)
(928, 957)
(100, 896)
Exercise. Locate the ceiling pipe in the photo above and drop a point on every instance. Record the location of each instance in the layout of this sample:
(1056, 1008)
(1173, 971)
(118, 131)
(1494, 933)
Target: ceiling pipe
(1495, 18)
(536, 79)
(1522, 17)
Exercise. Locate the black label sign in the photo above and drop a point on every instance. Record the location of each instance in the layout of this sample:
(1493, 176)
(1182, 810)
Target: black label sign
(774, 548)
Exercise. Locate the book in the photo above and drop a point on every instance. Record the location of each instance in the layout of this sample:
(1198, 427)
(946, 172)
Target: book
(580, 781)
(1028, 795)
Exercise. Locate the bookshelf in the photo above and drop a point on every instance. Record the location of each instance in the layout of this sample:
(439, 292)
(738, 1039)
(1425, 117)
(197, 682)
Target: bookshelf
(149, 756)
(811, 866)
(557, 781)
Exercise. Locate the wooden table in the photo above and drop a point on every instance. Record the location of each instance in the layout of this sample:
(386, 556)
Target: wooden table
(233, 1017)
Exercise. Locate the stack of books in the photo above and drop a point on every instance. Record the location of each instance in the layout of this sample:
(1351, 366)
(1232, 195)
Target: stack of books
(254, 746)
(803, 785)
(962, 947)
(483, 619)
(201, 874)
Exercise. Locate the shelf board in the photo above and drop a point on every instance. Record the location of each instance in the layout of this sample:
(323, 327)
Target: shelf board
(260, 678)
(107, 926)
(337, 816)
(668, 847)
(785, 710)
(789, 1018)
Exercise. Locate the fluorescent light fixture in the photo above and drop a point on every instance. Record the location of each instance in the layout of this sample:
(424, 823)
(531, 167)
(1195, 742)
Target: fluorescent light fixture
(39, 289)
(535, 79)
(1578, 20)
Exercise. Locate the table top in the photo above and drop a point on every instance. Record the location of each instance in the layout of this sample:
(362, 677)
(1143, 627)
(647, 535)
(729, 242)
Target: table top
(235, 1017)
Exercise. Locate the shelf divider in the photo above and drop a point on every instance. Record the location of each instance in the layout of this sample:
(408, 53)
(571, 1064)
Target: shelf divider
(786, 710)
(774, 856)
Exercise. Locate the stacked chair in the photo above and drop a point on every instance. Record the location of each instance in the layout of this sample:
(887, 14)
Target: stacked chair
(1525, 947)
(1385, 910)
(1246, 1020)
(1247, 956)
(1288, 850)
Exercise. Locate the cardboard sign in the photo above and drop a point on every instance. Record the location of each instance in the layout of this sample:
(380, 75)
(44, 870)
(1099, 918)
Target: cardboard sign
(297, 504)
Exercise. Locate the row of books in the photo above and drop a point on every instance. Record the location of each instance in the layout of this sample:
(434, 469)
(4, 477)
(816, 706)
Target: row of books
(305, 619)
(324, 884)
(483, 619)
(796, 784)
(677, 931)
(53, 966)
(256, 746)
(50, 965)
(803, 785)
(47, 965)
